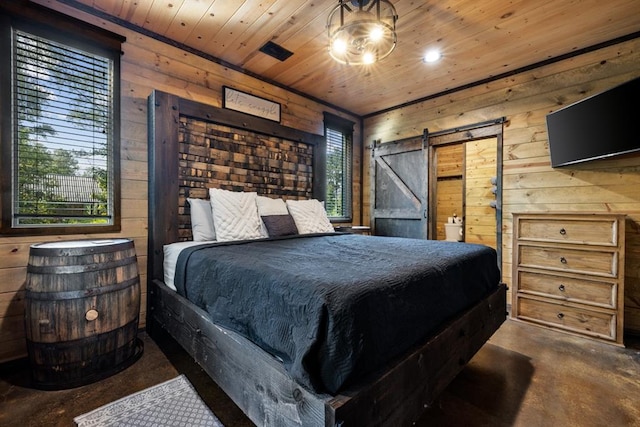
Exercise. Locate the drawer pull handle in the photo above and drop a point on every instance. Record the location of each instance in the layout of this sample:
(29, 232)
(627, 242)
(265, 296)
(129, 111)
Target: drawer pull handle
(563, 231)
(563, 260)
(560, 315)
(561, 288)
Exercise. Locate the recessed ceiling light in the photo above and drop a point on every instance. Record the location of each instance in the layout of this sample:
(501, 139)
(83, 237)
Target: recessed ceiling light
(432, 56)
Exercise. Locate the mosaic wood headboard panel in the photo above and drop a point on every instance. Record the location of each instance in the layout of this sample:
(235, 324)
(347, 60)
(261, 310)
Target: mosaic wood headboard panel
(193, 147)
(220, 156)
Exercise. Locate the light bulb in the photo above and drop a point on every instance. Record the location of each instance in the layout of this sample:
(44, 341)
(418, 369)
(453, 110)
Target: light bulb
(339, 46)
(376, 33)
(368, 58)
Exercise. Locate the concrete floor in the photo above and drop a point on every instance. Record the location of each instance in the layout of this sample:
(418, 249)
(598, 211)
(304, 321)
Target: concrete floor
(524, 376)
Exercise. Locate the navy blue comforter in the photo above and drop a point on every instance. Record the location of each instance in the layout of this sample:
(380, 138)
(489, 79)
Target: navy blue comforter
(334, 307)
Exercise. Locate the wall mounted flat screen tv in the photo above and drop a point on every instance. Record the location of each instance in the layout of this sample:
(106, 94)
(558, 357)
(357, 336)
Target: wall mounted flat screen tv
(597, 127)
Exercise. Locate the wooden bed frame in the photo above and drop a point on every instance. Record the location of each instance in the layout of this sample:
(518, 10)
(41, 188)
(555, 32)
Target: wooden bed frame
(252, 378)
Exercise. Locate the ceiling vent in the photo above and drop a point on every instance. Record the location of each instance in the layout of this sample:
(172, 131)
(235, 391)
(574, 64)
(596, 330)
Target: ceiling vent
(275, 50)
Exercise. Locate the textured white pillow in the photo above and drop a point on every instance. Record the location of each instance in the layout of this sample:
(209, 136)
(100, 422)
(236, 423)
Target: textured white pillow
(268, 206)
(309, 216)
(235, 215)
(202, 227)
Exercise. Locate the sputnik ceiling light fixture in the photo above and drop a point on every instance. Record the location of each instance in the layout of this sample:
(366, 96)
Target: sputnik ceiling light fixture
(362, 31)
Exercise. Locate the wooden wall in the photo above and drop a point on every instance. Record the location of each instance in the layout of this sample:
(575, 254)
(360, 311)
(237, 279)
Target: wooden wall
(479, 217)
(529, 183)
(148, 64)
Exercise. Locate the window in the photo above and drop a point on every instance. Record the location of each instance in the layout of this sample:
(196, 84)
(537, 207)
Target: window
(339, 138)
(60, 128)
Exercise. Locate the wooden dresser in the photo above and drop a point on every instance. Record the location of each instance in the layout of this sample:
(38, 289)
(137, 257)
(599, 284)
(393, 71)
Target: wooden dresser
(568, 273)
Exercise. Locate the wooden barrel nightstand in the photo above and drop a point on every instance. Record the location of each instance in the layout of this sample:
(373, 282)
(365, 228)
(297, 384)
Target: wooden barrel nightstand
(82, 307)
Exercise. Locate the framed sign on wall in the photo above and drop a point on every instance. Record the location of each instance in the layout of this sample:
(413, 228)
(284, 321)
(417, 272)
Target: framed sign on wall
(234, 99)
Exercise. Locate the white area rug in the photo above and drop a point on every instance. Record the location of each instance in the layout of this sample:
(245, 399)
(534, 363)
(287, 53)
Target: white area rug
(172, 403)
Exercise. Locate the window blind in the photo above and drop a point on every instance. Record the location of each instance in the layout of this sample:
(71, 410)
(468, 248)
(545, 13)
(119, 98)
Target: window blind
(63, 127)
(338, 198)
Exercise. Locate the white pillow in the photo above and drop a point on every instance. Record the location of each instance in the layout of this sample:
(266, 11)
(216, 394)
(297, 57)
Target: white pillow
(202, 227)
(171, 253)
(309, 216)
(268, 206)
(235, 215)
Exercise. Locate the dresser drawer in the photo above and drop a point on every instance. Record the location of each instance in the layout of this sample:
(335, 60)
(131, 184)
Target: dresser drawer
(598, 263)
(583, 291)
(564, 230)
(572, 319)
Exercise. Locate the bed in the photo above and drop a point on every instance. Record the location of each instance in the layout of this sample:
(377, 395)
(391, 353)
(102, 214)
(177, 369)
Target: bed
(321, 375)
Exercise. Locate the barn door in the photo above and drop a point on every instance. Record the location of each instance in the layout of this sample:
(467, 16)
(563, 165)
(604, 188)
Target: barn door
(399, 188)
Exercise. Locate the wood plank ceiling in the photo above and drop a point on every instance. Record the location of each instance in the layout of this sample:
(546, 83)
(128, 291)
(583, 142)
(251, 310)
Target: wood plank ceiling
(479, 40)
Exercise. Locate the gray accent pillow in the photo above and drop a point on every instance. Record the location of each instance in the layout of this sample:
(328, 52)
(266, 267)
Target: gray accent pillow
(279, 225)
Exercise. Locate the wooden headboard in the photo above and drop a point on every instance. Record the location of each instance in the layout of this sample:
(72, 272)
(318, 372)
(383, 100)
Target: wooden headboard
(194, 146)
